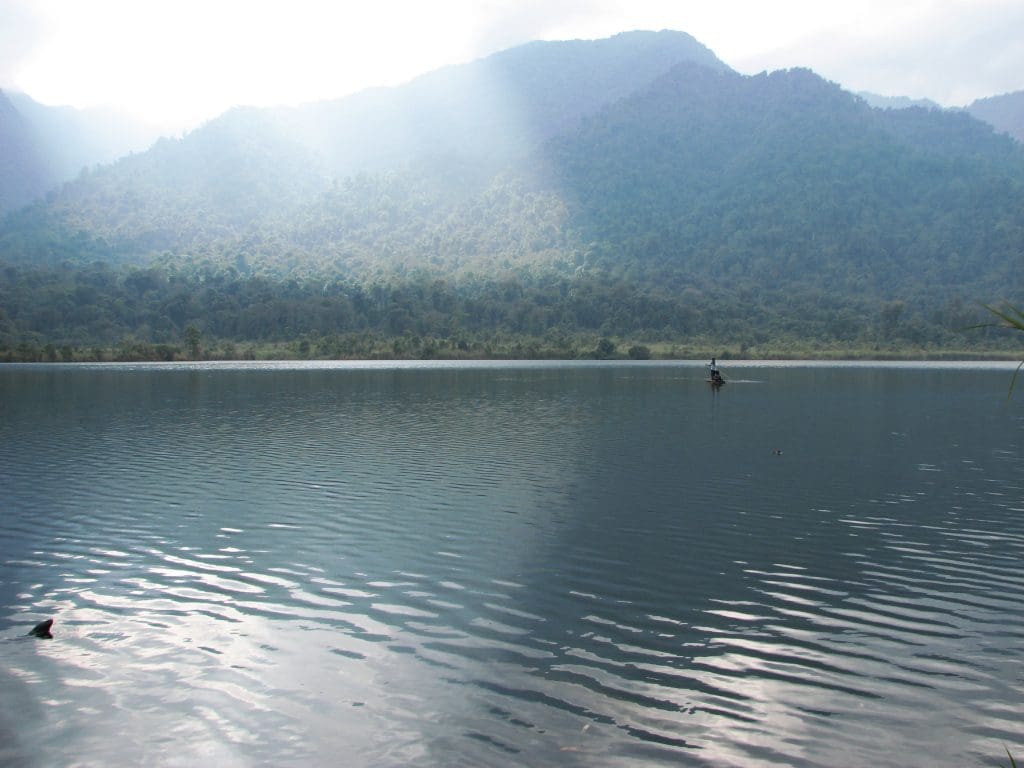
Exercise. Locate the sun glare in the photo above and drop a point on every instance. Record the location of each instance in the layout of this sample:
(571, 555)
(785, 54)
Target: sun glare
(175, 62)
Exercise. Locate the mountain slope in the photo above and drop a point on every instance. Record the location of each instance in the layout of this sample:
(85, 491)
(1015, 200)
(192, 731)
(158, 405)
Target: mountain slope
(256, 167)
(784, 179)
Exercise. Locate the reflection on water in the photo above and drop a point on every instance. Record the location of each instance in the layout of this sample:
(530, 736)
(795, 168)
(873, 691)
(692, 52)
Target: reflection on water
(520, 564)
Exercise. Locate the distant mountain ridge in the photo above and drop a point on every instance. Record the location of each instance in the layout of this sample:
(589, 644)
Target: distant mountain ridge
(896, 102)
(1005, 113)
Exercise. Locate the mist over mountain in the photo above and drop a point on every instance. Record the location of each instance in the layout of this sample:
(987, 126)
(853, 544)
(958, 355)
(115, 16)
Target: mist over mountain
(41, 147)
(24, 171)
(634, 186)
(496, 109)
(74, 138)
(451, 131)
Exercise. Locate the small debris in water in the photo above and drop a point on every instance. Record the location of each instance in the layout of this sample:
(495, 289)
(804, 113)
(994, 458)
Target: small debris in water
(42, 629)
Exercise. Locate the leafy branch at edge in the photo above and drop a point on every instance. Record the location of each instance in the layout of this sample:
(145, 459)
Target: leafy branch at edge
(1011, 317)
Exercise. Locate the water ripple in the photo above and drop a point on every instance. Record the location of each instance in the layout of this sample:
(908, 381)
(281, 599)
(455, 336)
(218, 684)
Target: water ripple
(547, 567)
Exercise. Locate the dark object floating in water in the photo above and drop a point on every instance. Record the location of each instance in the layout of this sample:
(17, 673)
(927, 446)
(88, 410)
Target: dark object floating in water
(42, 629)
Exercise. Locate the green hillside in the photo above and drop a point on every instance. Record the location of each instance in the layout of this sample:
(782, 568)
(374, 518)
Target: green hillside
(786, 182)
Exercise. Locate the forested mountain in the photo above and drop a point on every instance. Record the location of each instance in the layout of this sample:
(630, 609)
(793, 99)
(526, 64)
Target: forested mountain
(785, 180)
(1005, 113)
(632, 187)
(454, 128)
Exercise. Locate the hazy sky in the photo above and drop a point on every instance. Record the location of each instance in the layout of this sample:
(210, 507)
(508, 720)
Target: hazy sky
(179, 63)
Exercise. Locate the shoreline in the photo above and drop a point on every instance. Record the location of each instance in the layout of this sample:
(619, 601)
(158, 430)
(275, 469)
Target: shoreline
(498, 347)
(928, 357)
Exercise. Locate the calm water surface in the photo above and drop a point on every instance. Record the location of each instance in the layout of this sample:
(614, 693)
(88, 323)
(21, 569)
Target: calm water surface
(497, 565)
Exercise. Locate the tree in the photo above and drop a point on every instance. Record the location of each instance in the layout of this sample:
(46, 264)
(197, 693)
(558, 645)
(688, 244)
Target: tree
(605, 349)
(639, 352)
(192, 337)
(892, 311)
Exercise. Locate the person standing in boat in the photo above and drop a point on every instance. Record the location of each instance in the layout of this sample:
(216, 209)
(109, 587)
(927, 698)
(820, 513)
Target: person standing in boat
(716, 376)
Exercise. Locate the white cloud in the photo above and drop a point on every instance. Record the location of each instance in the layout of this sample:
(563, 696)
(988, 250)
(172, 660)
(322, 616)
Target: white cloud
(952, 52)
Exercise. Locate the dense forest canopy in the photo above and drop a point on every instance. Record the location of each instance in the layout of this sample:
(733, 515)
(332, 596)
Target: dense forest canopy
(633, 188)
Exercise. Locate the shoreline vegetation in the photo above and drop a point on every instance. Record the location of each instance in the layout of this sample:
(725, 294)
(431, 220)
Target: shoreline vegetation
(371, 347)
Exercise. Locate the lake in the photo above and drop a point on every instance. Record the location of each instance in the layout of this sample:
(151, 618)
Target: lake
(498, 564)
